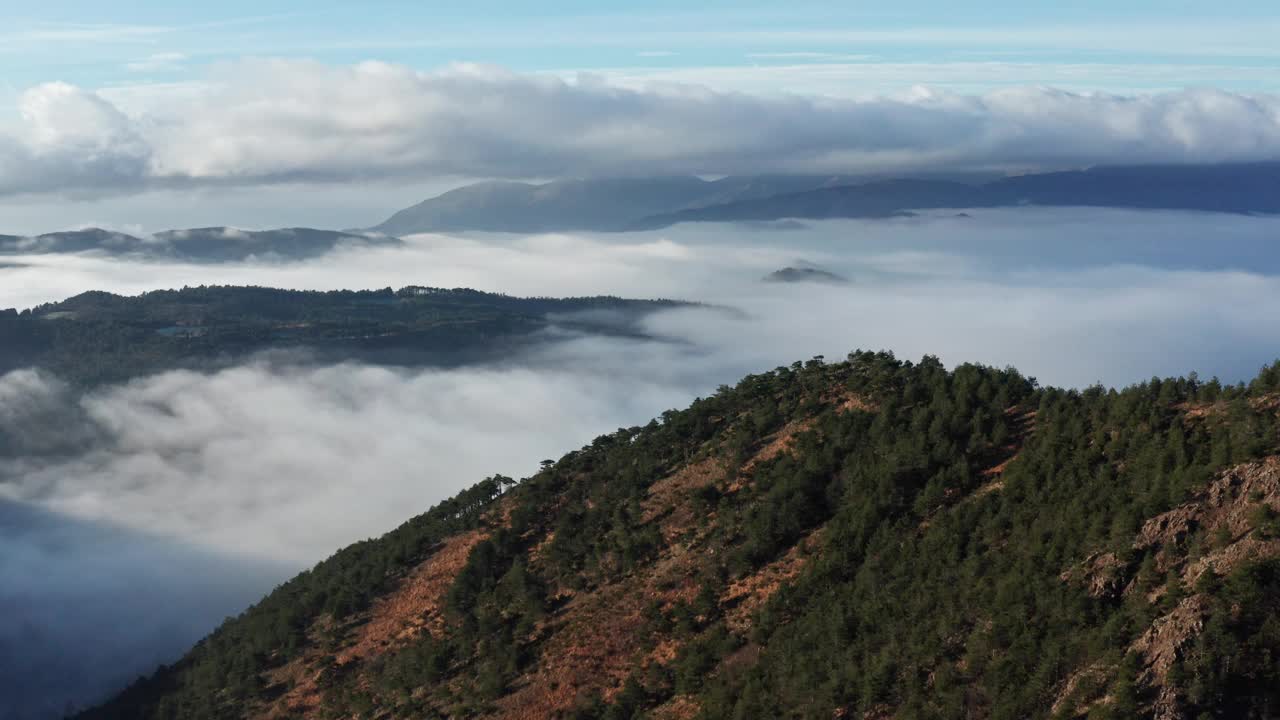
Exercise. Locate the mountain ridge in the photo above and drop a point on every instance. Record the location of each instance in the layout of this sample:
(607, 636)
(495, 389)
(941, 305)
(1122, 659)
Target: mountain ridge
(1245, 188)
(578, 204)
(871, 538)
(630, 204)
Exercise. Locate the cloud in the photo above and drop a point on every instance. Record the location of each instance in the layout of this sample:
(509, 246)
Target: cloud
(273, 121)
(72, 139)
(134, 518)
(983, 272)
(191, 495)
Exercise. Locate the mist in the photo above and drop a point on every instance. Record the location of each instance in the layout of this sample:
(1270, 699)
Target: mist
(150, 510)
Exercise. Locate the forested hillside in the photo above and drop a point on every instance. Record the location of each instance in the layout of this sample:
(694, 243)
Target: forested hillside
(99, 337)
(871, 538)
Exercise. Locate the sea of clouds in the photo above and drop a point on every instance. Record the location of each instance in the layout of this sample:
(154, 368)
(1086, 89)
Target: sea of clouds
(138, 515)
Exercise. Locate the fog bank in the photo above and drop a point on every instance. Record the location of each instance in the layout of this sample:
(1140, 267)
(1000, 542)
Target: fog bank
(137, 516)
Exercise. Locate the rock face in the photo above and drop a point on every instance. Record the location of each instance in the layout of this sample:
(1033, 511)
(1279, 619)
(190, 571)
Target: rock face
(1223, 517)
(1103, 574)
(1223, 514)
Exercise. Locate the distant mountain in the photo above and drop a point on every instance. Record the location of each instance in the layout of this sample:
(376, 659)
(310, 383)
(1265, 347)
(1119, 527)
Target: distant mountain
(561, 205)
(204, 245)
(621, 204)
(599, 205)
(1238, 188)
(1250, 188)
(222, 244)
(803, 274)
(867, 539)
(882, 199)
(71, 241)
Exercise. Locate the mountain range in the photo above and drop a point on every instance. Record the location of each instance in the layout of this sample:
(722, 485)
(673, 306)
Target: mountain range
(633, 204)
(870, 538)
(619, 204)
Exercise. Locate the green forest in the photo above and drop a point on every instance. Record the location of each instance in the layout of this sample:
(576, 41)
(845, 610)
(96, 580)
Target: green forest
(944, 544)
(98, 337)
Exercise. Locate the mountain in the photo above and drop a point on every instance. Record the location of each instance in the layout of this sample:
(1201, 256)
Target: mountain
(560, 205)
(98, 337)
(608, 204)
(620, 204)
(803, 273)
(70, 242)
(871, 538)
(202, 245)
(1245, 188)
(1236, 188)
(222, 244)
(882, 199)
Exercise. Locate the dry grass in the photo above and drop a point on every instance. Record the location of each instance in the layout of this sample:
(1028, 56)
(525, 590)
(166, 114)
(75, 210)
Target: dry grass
(416, 605)
(748, 594)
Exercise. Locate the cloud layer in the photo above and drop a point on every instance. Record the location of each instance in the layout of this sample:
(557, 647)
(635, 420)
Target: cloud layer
(270, 121)
(134, 518)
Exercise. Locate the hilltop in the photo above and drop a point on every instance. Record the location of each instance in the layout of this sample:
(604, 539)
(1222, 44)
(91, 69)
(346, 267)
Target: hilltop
(870, 538)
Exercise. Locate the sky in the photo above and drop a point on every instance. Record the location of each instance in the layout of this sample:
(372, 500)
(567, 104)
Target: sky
(1140, 44)
(149, 115)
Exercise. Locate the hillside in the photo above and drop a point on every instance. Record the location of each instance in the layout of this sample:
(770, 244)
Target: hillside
(864, 539)
(98, 337)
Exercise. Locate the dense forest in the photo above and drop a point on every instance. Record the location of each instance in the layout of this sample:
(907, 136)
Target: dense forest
(870, 538)
(99, 337)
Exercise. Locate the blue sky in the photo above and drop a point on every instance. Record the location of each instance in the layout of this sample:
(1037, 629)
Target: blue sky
(1124, 46)
(150, 114)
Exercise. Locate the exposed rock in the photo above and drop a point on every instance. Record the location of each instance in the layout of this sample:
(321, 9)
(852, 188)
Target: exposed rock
(1223, 508)
(1162, 645)
(1103, 575)
(1083, 689)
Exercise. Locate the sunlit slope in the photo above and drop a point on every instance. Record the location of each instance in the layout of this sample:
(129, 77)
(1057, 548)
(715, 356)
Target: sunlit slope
(869, 538)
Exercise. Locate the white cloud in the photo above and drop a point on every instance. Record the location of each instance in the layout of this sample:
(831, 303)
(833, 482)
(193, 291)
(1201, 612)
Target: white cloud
(289, 464)
(272, 121)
